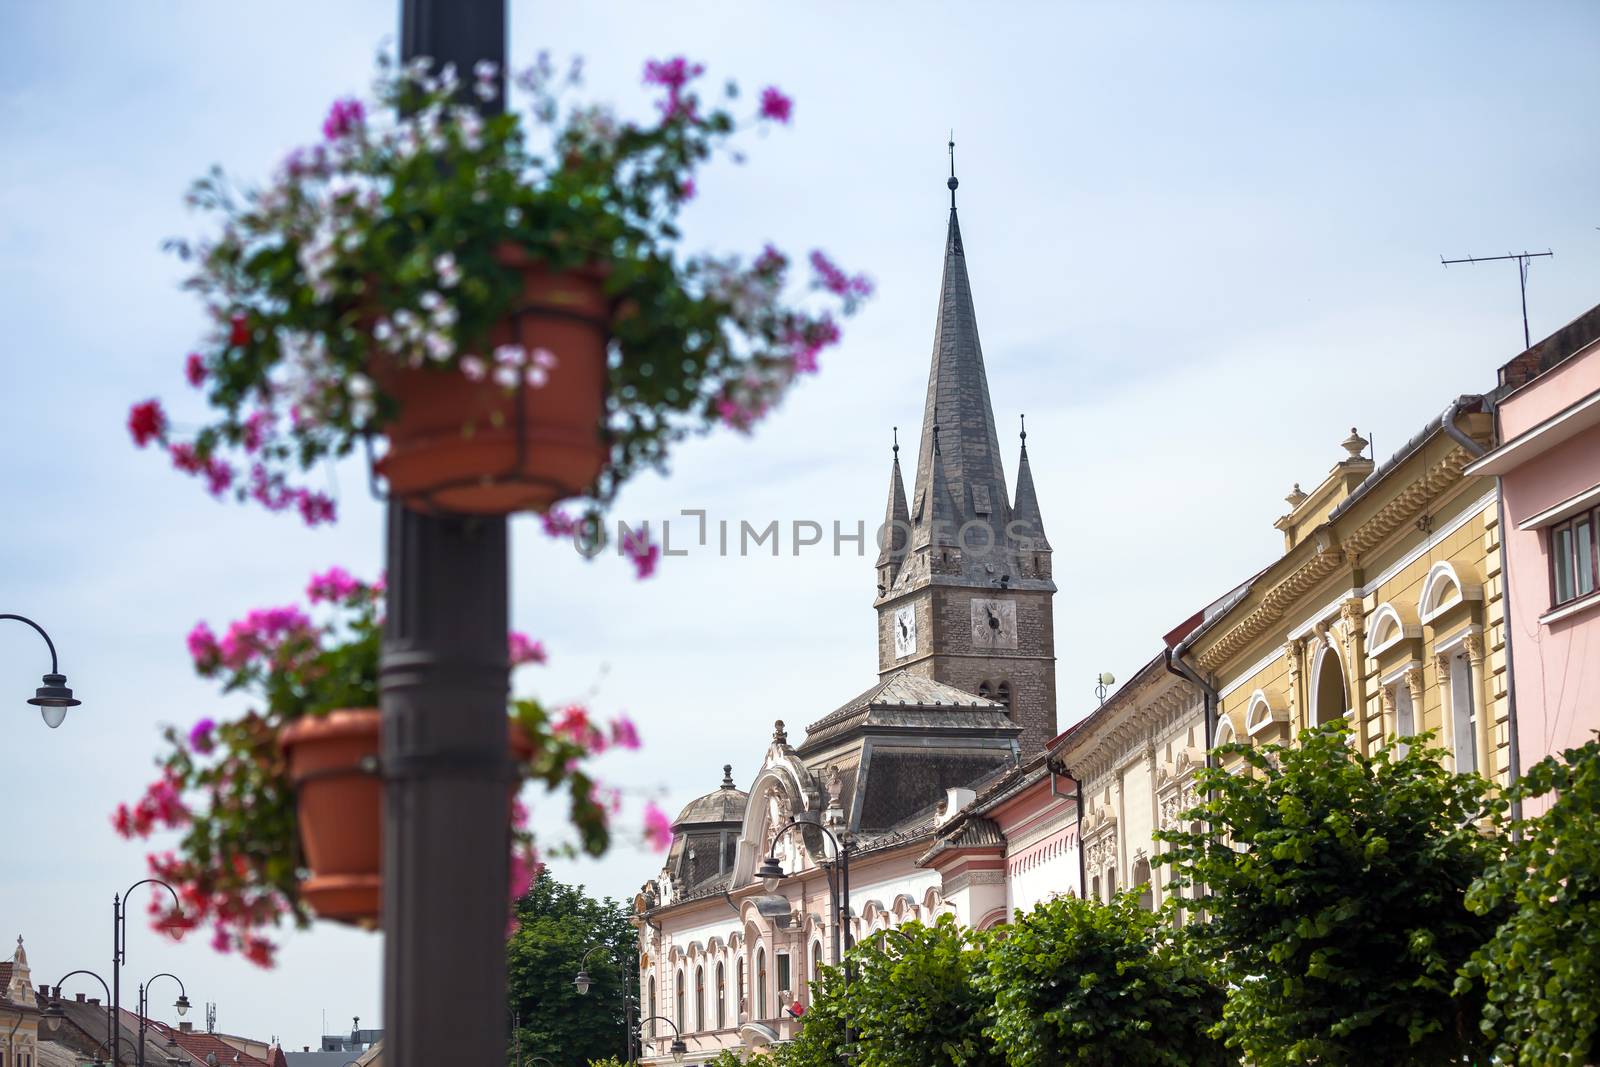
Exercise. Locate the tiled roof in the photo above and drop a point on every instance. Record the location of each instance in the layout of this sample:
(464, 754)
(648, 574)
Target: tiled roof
(899, 690)
(197, 1046)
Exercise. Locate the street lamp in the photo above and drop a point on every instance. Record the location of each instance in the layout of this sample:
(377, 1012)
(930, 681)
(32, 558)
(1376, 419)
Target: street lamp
(772, 875)
(52, 1016)
(119, 952)
(53, 698)
(583, 982)
(182, 1004)
(678, 1049)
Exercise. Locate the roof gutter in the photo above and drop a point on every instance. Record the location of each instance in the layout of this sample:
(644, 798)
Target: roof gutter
(1211, 698)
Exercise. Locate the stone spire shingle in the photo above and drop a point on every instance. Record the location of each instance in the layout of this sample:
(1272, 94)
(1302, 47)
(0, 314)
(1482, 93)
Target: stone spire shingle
(1025, 516)
(896, 523)
(958, 400)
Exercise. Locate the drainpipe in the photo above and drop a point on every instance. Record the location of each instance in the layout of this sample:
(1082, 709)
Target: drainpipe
(1515, 757)
(1077, 784)
(1212, 699)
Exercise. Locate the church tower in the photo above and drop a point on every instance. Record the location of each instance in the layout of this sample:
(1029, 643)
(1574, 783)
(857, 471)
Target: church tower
(964, 578)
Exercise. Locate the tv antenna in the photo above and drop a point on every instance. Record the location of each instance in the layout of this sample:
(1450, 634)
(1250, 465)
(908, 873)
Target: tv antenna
(1522, 259)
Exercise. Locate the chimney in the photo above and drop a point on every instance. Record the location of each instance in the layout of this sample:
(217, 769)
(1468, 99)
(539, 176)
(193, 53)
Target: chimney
(81, 996)
(186, 1028)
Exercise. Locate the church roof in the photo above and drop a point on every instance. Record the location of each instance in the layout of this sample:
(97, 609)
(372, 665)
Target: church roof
(725, 805)
(900, 691)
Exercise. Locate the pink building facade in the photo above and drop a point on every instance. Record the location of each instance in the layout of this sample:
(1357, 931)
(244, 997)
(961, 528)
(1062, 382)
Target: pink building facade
(1548, 465)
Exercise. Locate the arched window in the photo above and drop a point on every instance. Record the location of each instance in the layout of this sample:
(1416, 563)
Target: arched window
(1111, 882)
(650, 1009)
(1096, 887)
(700, 998)
(816, 961)
(761, 983)
(1002, 693)
(744, 1003)
(722, 998)
(680, 1019)
(1141, 882)
(1331, 702)
(984, 690)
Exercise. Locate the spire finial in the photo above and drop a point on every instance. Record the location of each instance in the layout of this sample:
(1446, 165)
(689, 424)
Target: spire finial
(727, 776)
(897, 444)
(1024, 420)
(953, 182)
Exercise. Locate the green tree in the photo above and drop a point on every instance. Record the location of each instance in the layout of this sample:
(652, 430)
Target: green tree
(913, 1001)
(1081, 984)
(1332, 891)
(1541, 970)
(558, 925)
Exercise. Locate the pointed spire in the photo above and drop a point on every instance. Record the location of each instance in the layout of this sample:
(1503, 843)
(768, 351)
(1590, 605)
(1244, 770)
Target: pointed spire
(896, 519)
(958, 400)
(1025, 513)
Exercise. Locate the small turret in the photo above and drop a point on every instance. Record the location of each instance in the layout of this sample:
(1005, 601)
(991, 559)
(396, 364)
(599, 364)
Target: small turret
(895, 536)
(1027, 525)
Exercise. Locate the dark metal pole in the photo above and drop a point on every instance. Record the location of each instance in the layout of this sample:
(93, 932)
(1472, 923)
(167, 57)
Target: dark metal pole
(118, 940)
(442, 686)
(143, 1007)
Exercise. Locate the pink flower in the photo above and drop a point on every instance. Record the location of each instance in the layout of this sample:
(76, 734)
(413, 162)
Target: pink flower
(259, 951)
(657, 827)
(194, 369)
(574, 725)
(146, 422)
(186, 459)
(774, 105)
(836, 281)
(686, 191)
(201, 736)
(623, 733)
(220, 941)
(333, 586)
(256, 428)
(525, 867)
(523, 649)
(636, 546)
(771, 261)
(343, 117)
(558, 523)
(673, 74)
(219, 476)
(315, 508)
(239, 331)
(203, 647)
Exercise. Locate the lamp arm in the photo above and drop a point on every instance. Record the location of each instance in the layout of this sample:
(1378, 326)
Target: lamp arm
(91, 974)
(54, 666)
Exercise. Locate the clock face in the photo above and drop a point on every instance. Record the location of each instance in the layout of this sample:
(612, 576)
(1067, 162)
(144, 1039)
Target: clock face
(994, 623)
(905, 631)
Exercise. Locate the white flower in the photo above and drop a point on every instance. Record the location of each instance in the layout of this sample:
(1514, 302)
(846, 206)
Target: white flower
(430, 300)
(510, 355)
(362, 411)
(359, 386)
(536, 376)
(407, 321)
(446, 268)
(506, 376)
(474, 368)
(382, 331)
(440, 347)
(444, 316)
(544, 358)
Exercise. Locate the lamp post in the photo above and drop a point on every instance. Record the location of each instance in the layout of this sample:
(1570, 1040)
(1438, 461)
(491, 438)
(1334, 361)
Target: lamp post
(53, 698)
(52, 1015)
(678, 1049)
(772, 874)
(119, 948)
(443, 680)
(583, 982)
(182, 1004)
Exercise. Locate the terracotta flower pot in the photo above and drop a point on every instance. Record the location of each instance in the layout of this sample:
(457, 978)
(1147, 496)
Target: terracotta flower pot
(478, 448)
(339, 807)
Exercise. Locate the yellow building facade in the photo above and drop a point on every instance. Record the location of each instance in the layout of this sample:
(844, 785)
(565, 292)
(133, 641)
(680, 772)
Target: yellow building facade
(1385, 607)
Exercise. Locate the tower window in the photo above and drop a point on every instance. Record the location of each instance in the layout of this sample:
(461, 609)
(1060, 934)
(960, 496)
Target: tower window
(984, 690)
(1002, 693)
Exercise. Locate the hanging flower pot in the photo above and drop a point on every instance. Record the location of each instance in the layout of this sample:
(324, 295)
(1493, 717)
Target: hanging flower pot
(279, 810)
(506, 298)
(333, 767)
(528, 431)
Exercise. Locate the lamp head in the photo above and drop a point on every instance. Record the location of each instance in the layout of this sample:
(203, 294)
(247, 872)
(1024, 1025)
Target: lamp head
(53, 698)
(771, 874)
(52, 1015)
(182, 1004)
(1107, 678)
(679, 1050)
(582, 982)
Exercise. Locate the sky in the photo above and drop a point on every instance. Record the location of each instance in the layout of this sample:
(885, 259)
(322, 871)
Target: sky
(1204, 242)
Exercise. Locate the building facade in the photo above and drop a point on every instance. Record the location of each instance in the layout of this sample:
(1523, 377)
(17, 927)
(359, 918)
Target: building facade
(1548, 467)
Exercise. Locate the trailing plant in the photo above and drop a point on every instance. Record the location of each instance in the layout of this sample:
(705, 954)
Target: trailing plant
(1077, 983)
(1330, 888)
(1540, 972)
(224, 783)
(381, 246)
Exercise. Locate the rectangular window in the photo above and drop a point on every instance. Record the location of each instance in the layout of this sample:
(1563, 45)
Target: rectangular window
(783, 973)
(1574, 554)
(1464, 717)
